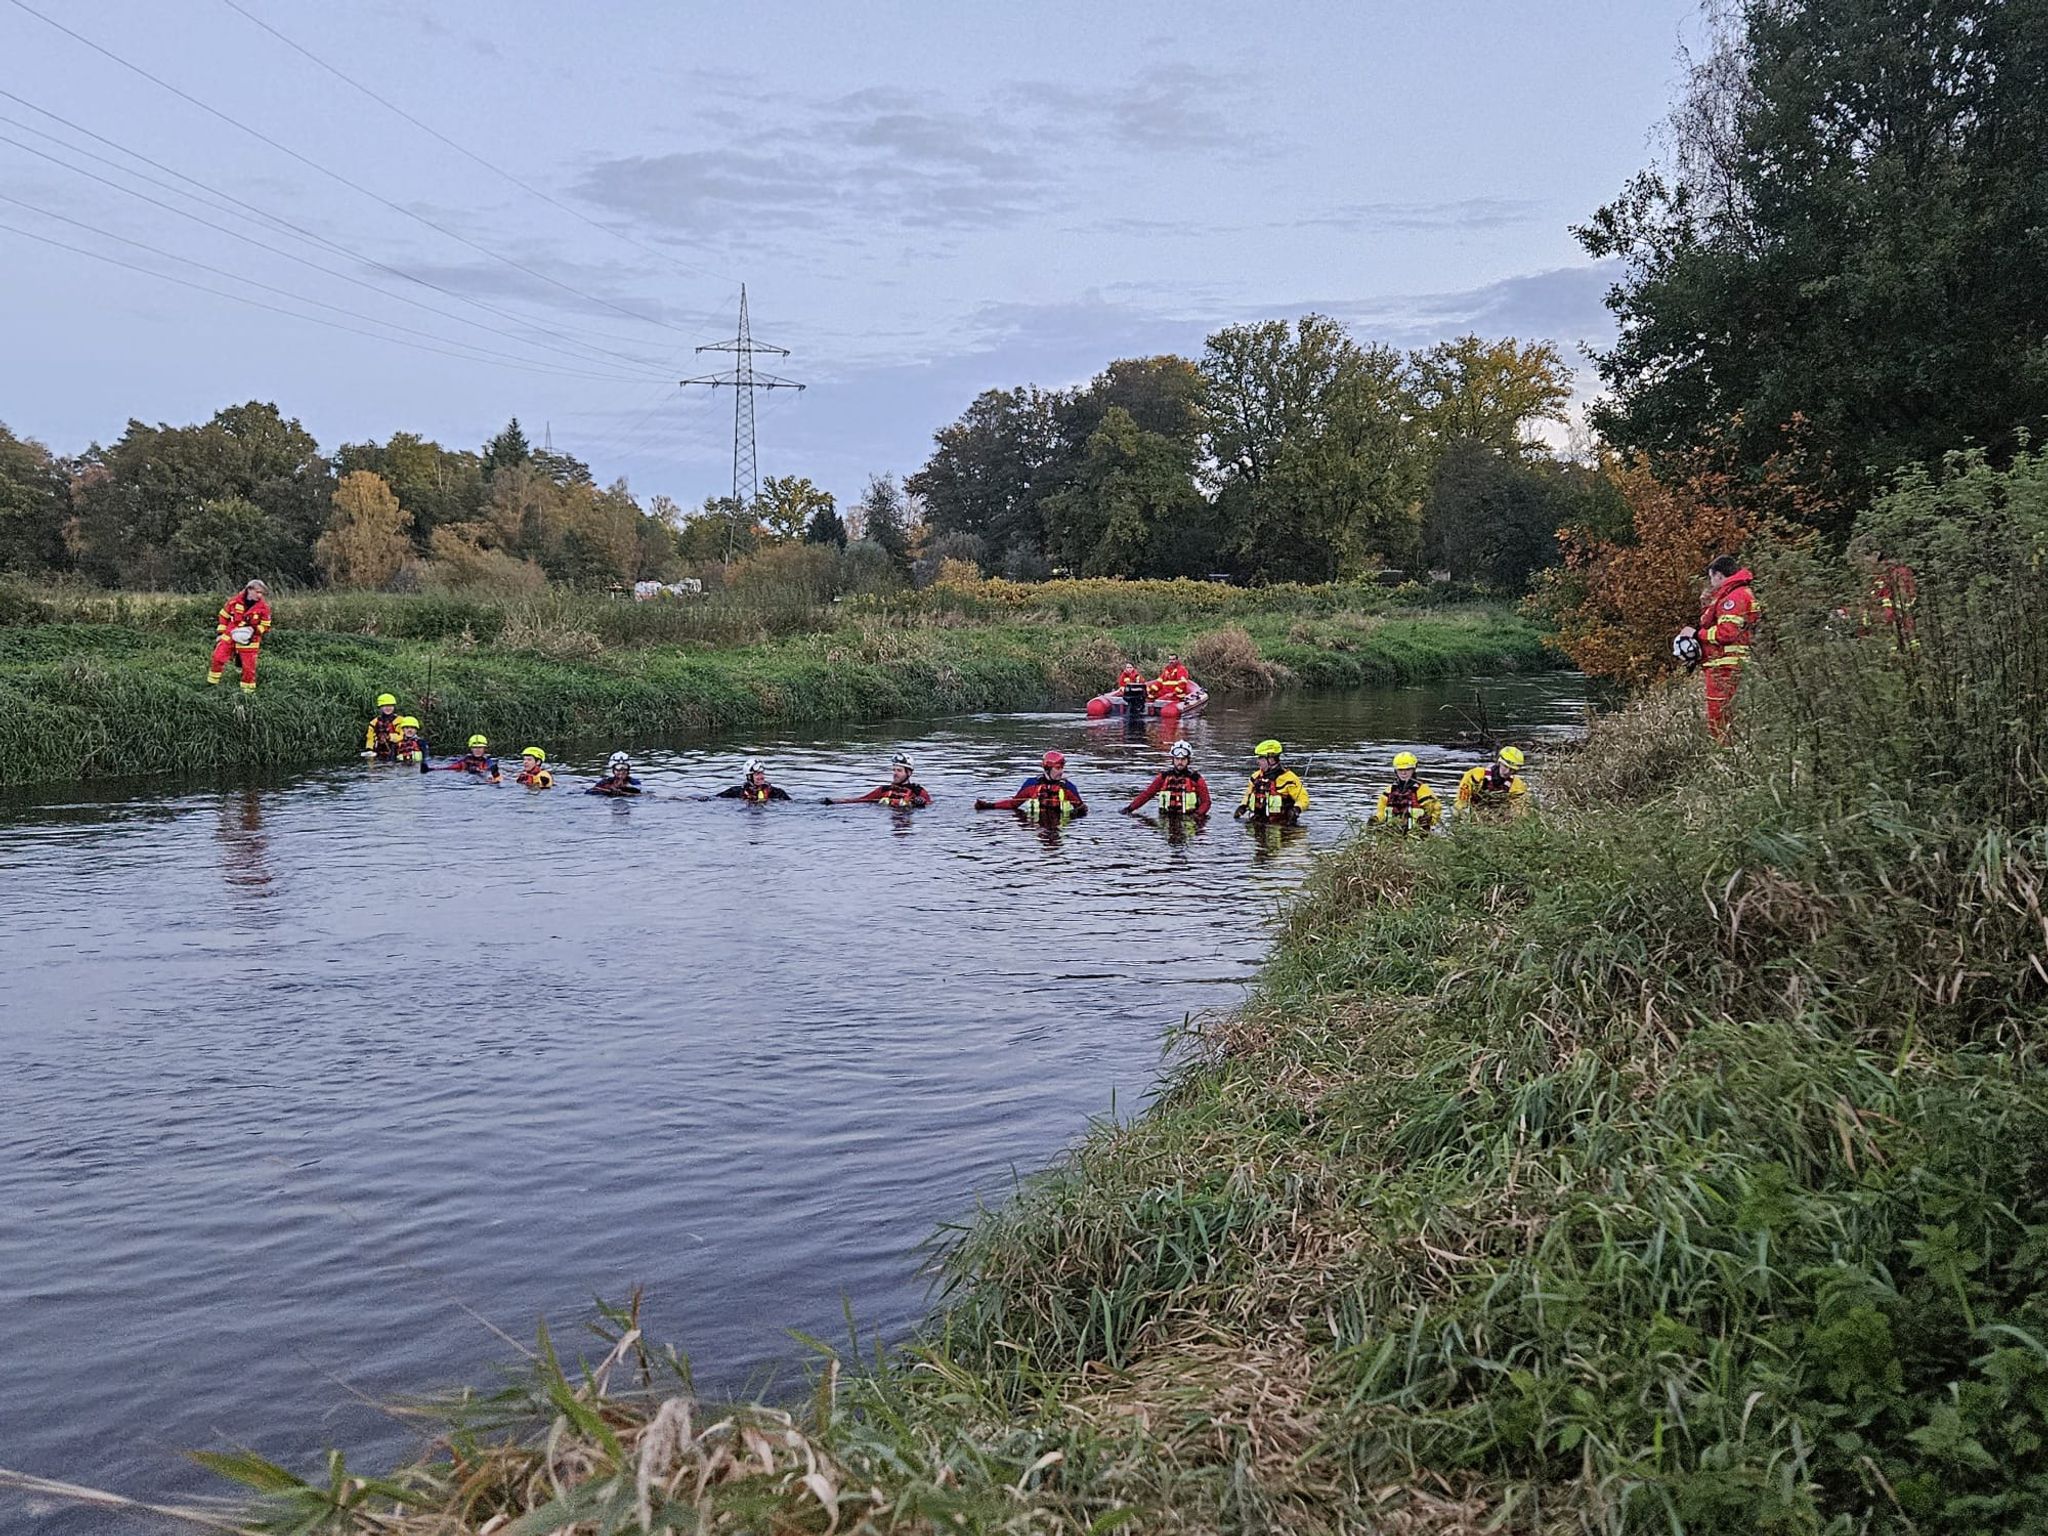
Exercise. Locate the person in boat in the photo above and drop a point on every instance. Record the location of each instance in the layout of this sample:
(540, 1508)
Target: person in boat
(753, 786)
(1129, 678)
(534, 772)
(1407, 804)
(1173, 683)
(618, 777)
(1181, 790)
(902, 792)
(1495, 789)
(380, 736)
(409, 748)
(477, 760)
(1275, 793)
(1048, 795)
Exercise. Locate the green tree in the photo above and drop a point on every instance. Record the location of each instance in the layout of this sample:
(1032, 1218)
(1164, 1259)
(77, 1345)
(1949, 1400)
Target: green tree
(1133, 508)
(225, 541)
(788, 503)
(32, 506)
(436, 485)
(1317, 458)
(716, 531)
(1491, 517)
(826, 527)
(1490, 392)
(991, 470)
(885, 520)
(1846, 233)
(508, 450)
(366, 541)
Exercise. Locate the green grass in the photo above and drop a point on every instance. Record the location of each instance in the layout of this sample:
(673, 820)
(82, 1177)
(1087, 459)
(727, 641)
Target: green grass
(119, 695)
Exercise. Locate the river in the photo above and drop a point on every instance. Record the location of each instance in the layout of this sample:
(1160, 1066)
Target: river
(306, 1081)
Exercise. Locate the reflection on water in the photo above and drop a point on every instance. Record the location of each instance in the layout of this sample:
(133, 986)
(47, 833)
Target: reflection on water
(300, 1077)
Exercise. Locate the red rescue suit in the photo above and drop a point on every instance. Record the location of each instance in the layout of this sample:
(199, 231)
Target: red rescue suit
(1174, 681)
(1182, 793)
(1727, 629)
(239, 612)
(900, 797)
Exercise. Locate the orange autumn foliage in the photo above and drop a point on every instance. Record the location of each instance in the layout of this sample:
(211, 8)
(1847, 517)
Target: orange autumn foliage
(1617, 604)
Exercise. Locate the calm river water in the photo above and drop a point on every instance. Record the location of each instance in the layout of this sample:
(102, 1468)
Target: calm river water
(302, 1080)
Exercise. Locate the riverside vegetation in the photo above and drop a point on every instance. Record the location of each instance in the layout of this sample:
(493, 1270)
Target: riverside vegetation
(95, 684)
(1673, 1160)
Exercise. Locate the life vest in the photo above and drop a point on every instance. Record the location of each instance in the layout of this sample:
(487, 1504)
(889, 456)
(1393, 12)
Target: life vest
(1182, 795)
(1269, 801)
(1049, 802)
(383, 734)
(536, 778)
(404, 751)
(900, 796)
(1490, 788)
(757, 794)
(468, 763)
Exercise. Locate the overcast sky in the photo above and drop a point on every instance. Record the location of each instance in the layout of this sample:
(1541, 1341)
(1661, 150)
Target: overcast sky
(924, 200)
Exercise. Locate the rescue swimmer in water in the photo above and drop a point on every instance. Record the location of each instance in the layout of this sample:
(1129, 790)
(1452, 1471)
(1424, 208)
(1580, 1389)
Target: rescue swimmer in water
(411, 747)
(1180, 789)
(1407, 804)
(477, 761)
(902, 792)
(1494, 790)
(380, 736)
(1275, 795)
(753, 786)
(533, 769)
(1047, 796)
(618, 777)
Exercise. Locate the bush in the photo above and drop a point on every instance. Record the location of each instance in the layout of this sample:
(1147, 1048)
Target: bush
(1229, 659)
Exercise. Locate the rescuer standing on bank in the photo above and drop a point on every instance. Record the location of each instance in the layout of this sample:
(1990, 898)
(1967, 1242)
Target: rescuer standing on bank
(243, 621)
(1724, 634)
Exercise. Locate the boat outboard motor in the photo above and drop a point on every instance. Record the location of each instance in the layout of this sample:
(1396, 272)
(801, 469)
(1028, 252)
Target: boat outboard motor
(1134, 700)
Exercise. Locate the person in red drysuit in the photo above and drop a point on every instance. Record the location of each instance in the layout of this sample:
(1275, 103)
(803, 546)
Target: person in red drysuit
(1130, 677)
(243, 621)
(1174, 681)
(1048, 795)
(1893, 591)
(900, 793)
(1181, 790)
(1725, 632)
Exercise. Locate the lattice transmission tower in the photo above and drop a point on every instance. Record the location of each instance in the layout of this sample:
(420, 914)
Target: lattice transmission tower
(743, 381)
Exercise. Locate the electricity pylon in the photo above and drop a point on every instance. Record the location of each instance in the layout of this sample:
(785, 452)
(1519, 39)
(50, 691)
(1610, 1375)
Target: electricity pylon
(743, 381)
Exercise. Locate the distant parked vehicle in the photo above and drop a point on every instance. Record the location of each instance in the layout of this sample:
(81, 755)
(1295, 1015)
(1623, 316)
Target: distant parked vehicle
(646, 591)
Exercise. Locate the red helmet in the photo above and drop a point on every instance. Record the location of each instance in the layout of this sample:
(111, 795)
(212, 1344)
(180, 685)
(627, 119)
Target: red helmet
(1055, 759)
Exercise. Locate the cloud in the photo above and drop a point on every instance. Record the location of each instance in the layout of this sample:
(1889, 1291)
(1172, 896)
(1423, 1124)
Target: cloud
(1563, 304)
(1458, 213)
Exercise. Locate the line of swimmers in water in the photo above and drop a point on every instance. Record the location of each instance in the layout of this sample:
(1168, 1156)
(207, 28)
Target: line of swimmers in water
(1275, 793)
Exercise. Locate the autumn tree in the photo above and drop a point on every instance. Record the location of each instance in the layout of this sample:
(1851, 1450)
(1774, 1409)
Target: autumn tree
(366, 541)
(1489, 392)
(787, 503)
(436, 485)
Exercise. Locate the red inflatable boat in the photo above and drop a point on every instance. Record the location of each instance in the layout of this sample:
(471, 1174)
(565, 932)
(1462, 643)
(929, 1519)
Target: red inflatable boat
(1133, 702)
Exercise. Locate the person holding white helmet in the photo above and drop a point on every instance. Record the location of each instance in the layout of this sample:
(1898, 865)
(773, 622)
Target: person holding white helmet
(1495, 789)
(243, 621)
(902, 792)
(618, 777)
(753, 786)
(1407, 804)
(1181, 790)
(1047, 796)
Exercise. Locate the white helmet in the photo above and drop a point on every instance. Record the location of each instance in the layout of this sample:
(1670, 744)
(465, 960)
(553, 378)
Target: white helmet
(901, 760)
(1686, 649)
(753, 767)
(1181, 749)
(617, 761)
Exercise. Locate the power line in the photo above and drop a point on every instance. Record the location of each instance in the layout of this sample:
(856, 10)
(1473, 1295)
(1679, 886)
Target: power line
(241, 298)
(465, 151)
(743, 381)
(261, 245)
(300, 230)
(352, 185)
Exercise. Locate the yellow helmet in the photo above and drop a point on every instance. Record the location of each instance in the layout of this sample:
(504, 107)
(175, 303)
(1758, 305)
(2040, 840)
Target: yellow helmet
(1268, 748)
(405, 720)
(1512, 756)
(534, 752)
(479, 740)
(1404, 760)
(386, 698)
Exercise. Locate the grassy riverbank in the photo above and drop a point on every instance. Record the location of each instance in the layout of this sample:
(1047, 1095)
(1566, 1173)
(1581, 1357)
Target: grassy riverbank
(1674, 1160)
(115, 686)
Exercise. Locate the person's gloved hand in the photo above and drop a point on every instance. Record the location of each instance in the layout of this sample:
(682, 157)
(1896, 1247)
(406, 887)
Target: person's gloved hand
(984, 805)
(1240, 813)
(828, 800)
